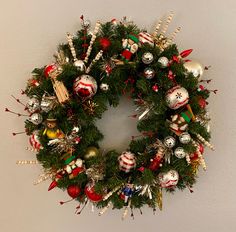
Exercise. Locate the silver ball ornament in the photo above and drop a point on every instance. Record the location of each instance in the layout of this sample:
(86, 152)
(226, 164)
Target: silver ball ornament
(147, 58)
(169, 141)
(36, 118)
(104, 87)
(185, 138)
(195, 68)
(33, 104)
(149, 73)
(163, 61)
(180, 152)
(48, 103)
(86, 23)
(79, 64)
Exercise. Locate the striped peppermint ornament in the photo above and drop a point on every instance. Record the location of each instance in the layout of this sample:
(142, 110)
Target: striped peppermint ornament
(34, 141)
(127, 161)
(145, 37)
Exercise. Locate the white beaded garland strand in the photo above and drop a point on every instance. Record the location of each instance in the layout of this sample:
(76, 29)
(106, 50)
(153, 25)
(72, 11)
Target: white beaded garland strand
(105, 208)
(42, 178)
(169, 19)
(187, 157)
(171, 39)
(205, 142)
(155, 33)
(96, 30)
(71, 45)
(111, 192)
(26, 162)
(97, 58)
(126, 210)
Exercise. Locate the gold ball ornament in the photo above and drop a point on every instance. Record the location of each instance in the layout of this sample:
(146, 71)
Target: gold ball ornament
(91, 152)
(195, 68)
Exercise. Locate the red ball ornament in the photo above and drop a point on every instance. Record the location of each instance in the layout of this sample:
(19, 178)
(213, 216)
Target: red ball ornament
(91, 194)
(105, 43)
(73, 191)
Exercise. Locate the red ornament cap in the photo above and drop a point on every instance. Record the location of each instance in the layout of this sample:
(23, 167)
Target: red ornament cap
(49, 69)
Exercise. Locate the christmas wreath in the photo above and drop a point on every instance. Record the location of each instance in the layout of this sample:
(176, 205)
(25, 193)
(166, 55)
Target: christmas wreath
(93, 70)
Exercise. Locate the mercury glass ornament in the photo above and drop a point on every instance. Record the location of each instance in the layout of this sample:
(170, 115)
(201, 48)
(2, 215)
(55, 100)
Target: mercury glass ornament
(169, 141)
(91, 152)
(48, 103)
(147, 58)
(185, 138)
(86, 23)
(163, 61)
(180, 152)
(104, 87)
(195, 68)
(33, 104)
(149, 73)
(79, 64)
(36, 118)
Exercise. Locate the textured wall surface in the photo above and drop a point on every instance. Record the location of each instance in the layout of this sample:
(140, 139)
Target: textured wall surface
(30, 31)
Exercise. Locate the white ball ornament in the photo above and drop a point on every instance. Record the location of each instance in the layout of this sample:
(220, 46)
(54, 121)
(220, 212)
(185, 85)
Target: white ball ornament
(85, 86)
(177, 97)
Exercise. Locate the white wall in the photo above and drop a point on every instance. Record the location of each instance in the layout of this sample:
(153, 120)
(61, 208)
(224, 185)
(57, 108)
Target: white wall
(30, 31)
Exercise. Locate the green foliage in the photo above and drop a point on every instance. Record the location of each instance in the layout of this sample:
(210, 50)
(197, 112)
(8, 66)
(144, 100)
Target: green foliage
(126, 78)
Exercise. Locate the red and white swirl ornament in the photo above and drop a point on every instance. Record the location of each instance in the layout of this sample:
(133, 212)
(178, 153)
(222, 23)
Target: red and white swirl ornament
(177, 97)
(34, 141)
(145, 37)
(85, 86)
(127, 161)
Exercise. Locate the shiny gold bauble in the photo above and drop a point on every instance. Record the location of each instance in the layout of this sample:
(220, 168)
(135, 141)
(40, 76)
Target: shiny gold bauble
(91, 152)
(195, 68)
